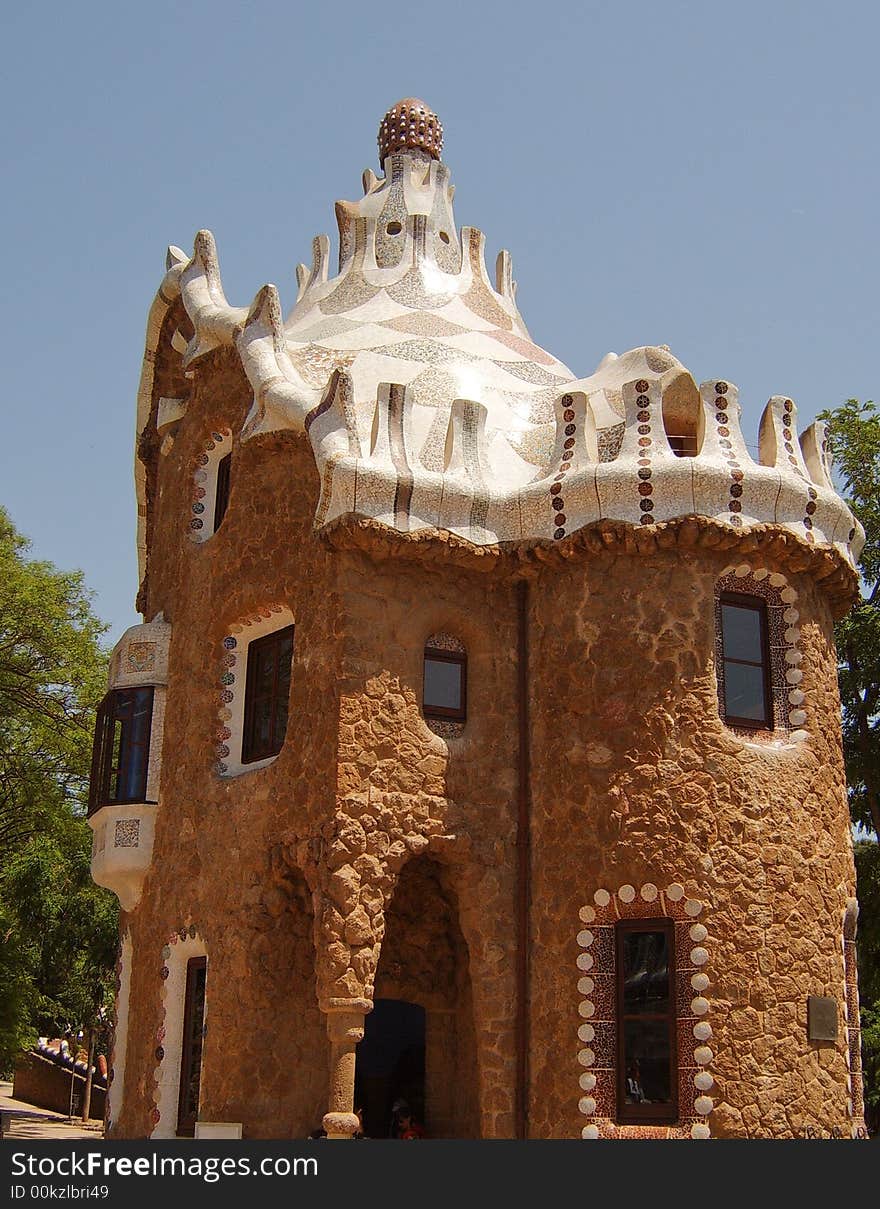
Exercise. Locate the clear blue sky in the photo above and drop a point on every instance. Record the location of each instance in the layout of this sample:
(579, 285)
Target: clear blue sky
(702, 175)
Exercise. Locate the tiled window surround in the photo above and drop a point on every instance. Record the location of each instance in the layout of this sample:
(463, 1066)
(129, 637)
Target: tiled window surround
(233, 677)
(787, 697)
(204, 489)
(181, 946)
(597, 1032)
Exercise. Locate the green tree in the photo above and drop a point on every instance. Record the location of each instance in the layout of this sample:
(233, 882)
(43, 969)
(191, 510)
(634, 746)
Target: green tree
(854, 433)
(58, 930)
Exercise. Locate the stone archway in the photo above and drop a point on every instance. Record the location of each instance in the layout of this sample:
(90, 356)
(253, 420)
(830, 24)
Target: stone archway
(425, 962)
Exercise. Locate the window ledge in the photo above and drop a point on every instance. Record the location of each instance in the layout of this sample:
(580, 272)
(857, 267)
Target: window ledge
(233, 771)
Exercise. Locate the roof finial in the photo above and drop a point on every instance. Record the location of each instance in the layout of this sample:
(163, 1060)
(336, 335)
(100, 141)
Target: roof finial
(410, 126)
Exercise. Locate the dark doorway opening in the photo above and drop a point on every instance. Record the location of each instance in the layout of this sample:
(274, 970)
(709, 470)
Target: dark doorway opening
(390, 1064)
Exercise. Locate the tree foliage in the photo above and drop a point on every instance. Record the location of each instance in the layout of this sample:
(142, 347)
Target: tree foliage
(854, 433)
(57, 929)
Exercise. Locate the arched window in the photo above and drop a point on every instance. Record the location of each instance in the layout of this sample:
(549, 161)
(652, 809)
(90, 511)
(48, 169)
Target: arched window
(444, 683)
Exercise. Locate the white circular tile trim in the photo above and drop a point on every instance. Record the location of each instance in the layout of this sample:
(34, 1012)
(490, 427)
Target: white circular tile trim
(587, 1105)
(586, 1008)
(699, 956)
(788, 596)
(693, 907)
(761, 573)
(703, 1055)
(794, 675)
(797, 717)
(792, 634)
(777, 580)
(585, 939)
(742, 570)
(703, 1081)
(700, 1132)
(649, 892)
(790, 616)
(585, 961)
(699, 1006)
(601, 898)
(586, 986)
(590, 1133)
(675, 892)
(798, 736)
(796, 697)
(702, 1030)
(586, 915)
(703, 1105)
(586, 1057)
(586, 1033)
(699, 982)
(587, 1081)
(626, 894)
(698, 933)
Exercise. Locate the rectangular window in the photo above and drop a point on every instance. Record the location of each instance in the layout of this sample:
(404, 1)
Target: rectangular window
(746, 658)
(267, 694)
(221, 497)
(444, 693)
(121, 750)
(191, 1054)
(647, 1063)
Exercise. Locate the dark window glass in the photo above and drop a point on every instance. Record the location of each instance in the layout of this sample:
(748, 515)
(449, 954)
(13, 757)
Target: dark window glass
(191, 1056)
(122, 748)
(746, 660)
(444, 693)
(647, 1089)
(221, 499)
(266, 695)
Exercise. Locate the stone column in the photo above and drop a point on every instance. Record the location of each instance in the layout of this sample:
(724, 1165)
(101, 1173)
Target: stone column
(345, 1027)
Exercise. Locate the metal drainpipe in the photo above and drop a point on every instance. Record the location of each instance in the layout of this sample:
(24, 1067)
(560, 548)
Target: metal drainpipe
(523, 864)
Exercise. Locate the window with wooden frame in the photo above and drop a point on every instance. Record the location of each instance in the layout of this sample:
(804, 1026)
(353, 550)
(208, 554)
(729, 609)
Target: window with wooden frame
(221, 495)
(267, 692)
(745, 655)
(121, 751)
(647, 1060)
(191, 1052)
(444, 686)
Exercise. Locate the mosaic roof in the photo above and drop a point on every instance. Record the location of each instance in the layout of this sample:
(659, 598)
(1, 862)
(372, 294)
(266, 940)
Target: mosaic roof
(428, 405)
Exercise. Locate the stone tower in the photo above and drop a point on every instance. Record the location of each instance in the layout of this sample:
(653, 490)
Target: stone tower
(481, 743)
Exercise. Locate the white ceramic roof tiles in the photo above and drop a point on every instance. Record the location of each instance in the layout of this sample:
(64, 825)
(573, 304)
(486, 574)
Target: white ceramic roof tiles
(428, 406)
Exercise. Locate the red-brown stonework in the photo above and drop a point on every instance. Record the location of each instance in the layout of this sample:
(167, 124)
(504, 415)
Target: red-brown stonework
(374, 858)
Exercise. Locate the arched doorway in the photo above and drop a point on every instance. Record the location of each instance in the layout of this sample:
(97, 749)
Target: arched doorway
(419, 1042)
(390, 1064)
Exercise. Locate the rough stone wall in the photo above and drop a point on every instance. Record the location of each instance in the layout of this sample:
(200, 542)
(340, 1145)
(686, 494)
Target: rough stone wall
(219, 859)
(287, 871)
(636, 780)
(424, 960)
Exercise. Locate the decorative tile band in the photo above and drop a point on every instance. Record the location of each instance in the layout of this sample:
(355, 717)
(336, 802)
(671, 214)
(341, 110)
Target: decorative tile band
(597, 1032)
(181, 945)
(855, 1102)
(789, 698)
(204, 490)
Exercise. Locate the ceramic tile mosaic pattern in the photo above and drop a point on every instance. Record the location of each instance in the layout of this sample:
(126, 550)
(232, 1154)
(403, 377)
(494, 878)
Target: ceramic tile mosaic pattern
(412, 317)
(788, 698)
(597, 1031)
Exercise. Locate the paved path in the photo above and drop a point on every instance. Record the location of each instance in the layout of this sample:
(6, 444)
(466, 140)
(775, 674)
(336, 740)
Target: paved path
(26, 1121)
